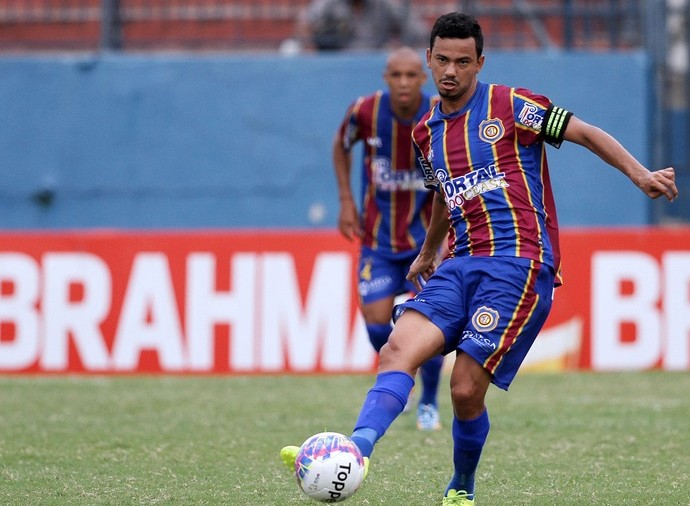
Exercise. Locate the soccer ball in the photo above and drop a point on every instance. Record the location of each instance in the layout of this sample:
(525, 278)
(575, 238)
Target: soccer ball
(329, 467)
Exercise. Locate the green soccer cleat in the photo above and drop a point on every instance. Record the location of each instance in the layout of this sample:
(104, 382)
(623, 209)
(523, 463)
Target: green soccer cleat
(457, 498)
(288, 454)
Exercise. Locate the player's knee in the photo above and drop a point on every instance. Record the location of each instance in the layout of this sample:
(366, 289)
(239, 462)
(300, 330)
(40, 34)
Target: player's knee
(394, 357)
(468, 396)
(378, 334)
(463, 394)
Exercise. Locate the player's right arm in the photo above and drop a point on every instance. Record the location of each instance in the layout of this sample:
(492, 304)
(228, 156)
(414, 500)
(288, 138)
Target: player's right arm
(348, 218)
(425, 264)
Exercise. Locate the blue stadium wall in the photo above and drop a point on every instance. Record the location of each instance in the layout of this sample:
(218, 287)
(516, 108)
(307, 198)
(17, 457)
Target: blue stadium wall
(228, 141)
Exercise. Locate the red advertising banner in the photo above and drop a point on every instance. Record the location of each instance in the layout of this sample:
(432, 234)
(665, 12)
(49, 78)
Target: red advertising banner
(625, 302)
(226, 302)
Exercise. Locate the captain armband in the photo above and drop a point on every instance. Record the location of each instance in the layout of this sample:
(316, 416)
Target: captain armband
(554, 124)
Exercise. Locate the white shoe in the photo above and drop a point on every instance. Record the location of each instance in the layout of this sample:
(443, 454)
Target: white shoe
(427, 417)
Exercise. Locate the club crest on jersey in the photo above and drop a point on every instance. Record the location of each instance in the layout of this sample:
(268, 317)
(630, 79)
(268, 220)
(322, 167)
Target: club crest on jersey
(485, 319)
(491, 130)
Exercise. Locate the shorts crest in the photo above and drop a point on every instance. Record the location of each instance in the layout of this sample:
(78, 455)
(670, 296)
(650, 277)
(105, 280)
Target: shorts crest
(485, 319)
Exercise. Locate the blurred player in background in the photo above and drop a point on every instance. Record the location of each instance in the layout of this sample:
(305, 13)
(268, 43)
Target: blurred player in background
(395, 207)
(482, 149)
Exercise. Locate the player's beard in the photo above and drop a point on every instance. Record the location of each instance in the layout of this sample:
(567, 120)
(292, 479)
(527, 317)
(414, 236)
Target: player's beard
(456, 94)
(451, 97)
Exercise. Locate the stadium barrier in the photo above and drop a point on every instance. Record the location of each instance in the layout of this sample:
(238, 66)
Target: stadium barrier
(257, 302)
(157, 142)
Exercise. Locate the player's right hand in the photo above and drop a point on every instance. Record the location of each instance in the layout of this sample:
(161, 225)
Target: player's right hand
(421, 270)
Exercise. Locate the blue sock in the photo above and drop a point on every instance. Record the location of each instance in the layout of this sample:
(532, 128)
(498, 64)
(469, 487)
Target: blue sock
(384, 402)
(378, 334)
(469, 437)
(431, 374)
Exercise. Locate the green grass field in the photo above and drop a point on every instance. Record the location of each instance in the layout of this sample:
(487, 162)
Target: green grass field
(556, 439)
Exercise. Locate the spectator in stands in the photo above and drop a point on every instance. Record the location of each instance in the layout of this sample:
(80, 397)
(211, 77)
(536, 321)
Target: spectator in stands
(359, 24)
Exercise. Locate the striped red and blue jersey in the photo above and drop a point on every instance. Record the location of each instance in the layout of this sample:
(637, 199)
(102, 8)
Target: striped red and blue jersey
(489, 162)
(395, 206)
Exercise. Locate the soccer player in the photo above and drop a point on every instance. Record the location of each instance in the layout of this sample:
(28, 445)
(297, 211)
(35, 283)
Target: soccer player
(395, 207)
(482, 149)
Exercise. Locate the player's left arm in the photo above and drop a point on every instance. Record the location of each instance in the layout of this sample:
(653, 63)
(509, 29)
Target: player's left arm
(654, 184)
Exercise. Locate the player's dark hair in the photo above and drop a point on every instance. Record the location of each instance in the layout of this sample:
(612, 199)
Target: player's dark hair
(456, 25)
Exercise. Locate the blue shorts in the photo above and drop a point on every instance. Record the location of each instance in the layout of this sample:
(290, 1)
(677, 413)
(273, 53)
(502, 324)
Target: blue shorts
(491, 308)
(382, 276)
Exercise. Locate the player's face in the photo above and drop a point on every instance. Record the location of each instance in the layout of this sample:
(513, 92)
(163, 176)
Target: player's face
(454, 67)
(405, 78)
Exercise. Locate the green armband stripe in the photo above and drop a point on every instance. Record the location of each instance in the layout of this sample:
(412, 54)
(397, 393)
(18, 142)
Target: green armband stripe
(555, 123)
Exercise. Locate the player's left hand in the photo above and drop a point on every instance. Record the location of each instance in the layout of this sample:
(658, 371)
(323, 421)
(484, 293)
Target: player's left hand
(660, 182)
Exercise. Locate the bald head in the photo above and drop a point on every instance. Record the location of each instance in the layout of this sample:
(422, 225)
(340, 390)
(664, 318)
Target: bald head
(405, 55)
(405, 77)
